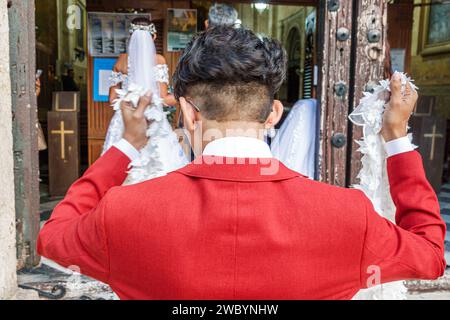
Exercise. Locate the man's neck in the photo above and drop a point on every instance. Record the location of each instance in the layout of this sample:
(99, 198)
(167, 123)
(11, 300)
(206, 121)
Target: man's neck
(214, 130)
(209, 131)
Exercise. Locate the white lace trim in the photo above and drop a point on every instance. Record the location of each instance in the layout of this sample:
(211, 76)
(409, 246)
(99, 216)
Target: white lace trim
(161, 71)
(373, 178)
(118, 78)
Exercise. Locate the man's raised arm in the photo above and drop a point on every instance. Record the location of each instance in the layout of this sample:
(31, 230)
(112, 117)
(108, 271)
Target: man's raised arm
(75, 235)
(414, 248)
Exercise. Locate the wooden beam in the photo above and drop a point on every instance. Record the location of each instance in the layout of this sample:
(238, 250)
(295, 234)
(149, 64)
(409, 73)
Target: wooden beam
(335, 62)
(368, 68)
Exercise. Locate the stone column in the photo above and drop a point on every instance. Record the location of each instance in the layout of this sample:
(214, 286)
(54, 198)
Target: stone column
(8, 262)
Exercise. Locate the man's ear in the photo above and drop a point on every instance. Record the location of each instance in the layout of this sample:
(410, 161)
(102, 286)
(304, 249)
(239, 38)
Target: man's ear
(189, 115)
(206, 24)
(275, 115)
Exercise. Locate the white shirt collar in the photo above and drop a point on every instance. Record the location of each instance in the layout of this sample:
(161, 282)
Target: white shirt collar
(238, 147)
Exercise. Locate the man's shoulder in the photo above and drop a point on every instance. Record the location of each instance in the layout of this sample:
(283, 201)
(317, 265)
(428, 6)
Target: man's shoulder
(138, 200)
(169, 180)
(320, 186)
(345, 200)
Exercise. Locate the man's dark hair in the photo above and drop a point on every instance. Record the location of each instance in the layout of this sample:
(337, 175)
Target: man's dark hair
(231, 74)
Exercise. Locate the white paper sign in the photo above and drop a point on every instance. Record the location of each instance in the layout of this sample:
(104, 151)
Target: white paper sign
(398, 59)
(103, 79)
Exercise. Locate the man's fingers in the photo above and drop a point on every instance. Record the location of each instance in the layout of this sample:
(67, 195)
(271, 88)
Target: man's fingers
(408, 89)
(143, 103)
(126, 105)
(396, 87)
(413, 97)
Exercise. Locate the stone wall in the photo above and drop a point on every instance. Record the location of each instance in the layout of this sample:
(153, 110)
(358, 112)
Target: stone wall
(8, 280)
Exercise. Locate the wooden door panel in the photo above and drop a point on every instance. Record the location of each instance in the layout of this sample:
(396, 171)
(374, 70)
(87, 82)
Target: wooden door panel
(368, 69)
(95, 149)
(99, 116)
(335, 60)
(400, 24)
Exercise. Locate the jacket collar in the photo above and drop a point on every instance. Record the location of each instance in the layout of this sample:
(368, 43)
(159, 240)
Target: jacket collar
(238, 147)
(238, 169)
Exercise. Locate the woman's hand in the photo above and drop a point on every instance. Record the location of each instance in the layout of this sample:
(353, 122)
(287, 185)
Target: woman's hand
(136, 124)
(399, 111)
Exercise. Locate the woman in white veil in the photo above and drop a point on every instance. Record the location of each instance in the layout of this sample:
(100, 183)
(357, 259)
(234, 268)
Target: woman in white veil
(295, 142)
(140, 71)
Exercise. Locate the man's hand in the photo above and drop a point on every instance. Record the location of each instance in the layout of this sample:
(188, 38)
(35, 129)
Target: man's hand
(136, 124)
(399, 111)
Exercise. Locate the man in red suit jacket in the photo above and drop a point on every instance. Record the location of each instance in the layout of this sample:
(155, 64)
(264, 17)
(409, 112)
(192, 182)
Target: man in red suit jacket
(237, 224)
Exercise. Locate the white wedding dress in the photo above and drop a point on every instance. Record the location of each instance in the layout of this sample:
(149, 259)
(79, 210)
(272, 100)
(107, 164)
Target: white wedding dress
(163, 153)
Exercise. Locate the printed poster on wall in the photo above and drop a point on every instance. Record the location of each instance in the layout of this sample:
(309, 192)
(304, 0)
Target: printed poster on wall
(109, 33)
(182, 26)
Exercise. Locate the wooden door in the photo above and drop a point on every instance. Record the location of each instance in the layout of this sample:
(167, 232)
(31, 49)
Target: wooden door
(335, 61)
(430, 134)
(99, 117)
(400, 24)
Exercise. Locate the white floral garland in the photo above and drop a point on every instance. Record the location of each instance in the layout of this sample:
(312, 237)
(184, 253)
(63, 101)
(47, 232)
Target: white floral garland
(149, 156)
(373, 178)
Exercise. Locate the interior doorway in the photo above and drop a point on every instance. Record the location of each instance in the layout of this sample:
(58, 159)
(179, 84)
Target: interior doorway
(61, 61)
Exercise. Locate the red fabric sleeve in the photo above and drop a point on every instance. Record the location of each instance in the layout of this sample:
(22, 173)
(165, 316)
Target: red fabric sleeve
(75, 234)
(414, 248)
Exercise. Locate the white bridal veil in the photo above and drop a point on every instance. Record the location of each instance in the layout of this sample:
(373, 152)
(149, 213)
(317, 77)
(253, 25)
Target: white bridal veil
(142, 61)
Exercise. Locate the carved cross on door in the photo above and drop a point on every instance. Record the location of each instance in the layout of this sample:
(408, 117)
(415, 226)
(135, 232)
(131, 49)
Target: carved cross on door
(62, 132)
(434, 135)
(429, 135)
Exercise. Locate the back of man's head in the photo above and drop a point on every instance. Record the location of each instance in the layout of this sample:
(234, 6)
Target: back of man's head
(231, 74)
(222, 15)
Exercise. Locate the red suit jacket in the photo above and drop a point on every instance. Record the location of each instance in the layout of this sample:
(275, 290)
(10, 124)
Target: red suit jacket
(227, 231)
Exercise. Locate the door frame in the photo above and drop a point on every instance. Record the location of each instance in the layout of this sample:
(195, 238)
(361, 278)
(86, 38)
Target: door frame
(24, 107)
